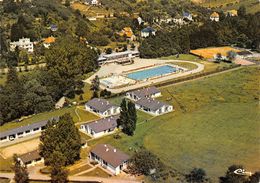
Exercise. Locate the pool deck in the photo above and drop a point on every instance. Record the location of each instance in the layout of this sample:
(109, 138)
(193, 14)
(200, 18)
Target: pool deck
(112, 68)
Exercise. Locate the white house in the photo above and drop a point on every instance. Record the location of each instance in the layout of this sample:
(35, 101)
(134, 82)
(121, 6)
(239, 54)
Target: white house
(100, 127)
(60, 103)
(214, 17)
(23, 43)
(109, 158)
(150, 92)
(187, 16)
(152, 106)
(31, 158)
(146, 32)
(102, 107)
(93, 2)
(23, 131)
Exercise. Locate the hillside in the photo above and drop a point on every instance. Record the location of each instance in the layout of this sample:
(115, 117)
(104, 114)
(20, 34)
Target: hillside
(251, 5)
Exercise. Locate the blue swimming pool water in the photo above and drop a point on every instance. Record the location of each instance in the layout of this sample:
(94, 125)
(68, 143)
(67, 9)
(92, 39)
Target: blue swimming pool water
(153, 72)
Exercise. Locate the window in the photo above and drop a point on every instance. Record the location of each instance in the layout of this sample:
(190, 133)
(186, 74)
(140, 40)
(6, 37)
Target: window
(27, 131)
(35, 129)
(3, 138)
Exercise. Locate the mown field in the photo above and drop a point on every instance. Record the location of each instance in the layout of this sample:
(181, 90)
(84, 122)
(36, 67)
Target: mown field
(216, 124)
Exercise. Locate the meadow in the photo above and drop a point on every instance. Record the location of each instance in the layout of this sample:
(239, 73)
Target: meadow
(216, 124)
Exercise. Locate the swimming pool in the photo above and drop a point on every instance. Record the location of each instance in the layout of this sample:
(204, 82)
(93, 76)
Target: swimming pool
(153, 72)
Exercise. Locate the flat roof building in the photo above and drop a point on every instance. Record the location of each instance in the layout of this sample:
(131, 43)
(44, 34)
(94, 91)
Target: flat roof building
(23, 131)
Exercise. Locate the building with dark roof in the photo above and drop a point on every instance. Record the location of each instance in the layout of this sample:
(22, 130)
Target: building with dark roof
(100, 127)
(102, 107)
(152, 106)
(244, 54)
(148, 31)
(23, 131)
(109, 157)
(31, 158)
(150, 92)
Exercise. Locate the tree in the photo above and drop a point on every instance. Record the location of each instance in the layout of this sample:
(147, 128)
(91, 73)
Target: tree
(94, 94)
(132, 117)
(67, 3)
(20, 171)
(62, 136)
(109, 50)
(218, 57)
(231, 177)
(66, 62)
(128, 118)
(197, 175)
(231, 55)
(105, 93)
(58, 173)
(241, 11)
(143, 162)
(95, 84)
(255, 178)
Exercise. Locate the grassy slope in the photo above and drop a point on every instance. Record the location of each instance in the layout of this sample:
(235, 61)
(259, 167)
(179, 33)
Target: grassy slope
(214, 126)
(252, 5)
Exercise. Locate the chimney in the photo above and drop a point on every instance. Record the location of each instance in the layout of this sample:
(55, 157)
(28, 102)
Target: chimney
(107, 149)
(114, 150)
(105, 145)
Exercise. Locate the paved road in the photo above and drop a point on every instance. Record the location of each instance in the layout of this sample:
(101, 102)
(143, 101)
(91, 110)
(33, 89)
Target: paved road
(39, 176)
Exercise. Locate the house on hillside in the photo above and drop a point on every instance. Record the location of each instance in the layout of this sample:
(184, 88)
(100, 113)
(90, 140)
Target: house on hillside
(214, 17)
(128, 33)
(178, 19)
(232, 13)
(152, 106)
(48, 41)
(60, 103)
(109, 158)
(23, 43)
(244, 54)
(101, 127)
(102, 107)
(23, 131)
(53, 27)
(93, 2)
(140, 20)
(148, 31)
(150, 92)
(187, 16)
(30, 158)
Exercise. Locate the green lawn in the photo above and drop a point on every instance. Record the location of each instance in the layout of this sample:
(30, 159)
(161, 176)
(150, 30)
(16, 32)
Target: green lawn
(79, 169)
(97, 172)
(216, 124)
(187, 57)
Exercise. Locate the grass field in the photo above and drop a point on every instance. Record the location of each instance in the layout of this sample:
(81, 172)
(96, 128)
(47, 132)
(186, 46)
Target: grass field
(97, 172)
(216, 124)
(252, 5)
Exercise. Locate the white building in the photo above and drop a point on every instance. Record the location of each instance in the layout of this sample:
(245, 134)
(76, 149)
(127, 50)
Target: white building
(93, 2)
(187, 16)
(150, 92)
(152, 106)
(148, 31)
(100, 127)
(23, 43)
(102, 107)
(31, 158)
(214, 17)
(118, 57)
(23, 131)
(109, 158)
